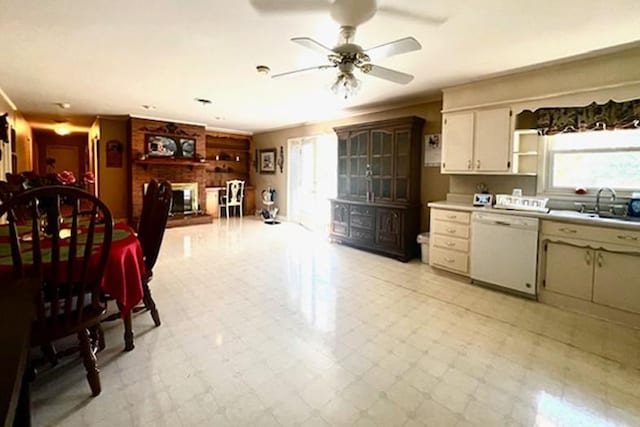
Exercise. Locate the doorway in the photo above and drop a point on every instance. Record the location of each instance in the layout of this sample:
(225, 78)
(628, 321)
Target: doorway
(312, 180)
(56, 153)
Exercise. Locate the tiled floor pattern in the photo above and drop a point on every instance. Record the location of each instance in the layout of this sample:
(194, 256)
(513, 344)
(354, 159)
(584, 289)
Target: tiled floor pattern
(272, 326)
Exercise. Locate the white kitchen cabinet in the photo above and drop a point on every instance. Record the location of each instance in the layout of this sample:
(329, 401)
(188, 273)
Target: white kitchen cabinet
(569, 270)
(591, 269)
(492, 140)
(457, 142)
(617, 280)
(449, 244)
(476, 141)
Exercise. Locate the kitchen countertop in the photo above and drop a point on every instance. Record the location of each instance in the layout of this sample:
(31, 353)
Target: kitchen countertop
(554, 215)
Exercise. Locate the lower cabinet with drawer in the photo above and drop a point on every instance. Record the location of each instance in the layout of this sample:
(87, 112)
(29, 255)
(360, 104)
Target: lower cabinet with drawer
(384, 228)
(449, 242)
(598, 266)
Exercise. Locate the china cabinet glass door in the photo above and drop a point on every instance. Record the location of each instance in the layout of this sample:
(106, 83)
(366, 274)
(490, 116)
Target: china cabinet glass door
(381, 164)
(359, 159)
(403, 165)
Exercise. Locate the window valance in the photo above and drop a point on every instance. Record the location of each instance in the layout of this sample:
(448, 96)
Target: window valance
(608, 116)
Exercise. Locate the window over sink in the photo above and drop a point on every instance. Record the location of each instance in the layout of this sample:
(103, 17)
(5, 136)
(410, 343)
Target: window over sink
(591, 160)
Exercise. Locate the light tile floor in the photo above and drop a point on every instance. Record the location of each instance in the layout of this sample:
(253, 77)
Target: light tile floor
(272, 326)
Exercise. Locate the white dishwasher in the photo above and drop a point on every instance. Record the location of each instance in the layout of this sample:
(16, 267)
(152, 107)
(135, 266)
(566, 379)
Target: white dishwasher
(504, 250)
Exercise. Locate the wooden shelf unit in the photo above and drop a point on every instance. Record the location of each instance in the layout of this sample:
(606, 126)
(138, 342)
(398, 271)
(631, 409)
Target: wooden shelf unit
(224, 152)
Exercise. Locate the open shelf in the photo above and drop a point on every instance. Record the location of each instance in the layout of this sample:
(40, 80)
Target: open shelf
(232, 152)
(526, 149)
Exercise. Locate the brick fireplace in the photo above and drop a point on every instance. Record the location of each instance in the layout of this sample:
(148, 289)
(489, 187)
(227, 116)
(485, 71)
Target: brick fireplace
(174, 170)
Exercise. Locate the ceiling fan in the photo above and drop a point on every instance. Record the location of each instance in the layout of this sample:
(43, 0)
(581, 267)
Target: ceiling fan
(348, 56)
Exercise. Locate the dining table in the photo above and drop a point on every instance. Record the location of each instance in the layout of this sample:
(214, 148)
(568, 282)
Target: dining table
(122, 278)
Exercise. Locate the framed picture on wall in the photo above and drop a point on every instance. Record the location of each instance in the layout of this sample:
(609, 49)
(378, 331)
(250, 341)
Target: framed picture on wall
(170, 147)
(115, 153)
(160, 146)
(187, 148)
(267, 160)
(432, 150)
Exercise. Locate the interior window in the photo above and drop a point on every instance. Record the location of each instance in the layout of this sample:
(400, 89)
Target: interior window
(593, 160)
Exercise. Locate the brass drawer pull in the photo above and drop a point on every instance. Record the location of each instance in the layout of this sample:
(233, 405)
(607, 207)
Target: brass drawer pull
(626, 237)
(450, 244)
(451, 230)
(452, 216)
(450, 260)
(568, 230)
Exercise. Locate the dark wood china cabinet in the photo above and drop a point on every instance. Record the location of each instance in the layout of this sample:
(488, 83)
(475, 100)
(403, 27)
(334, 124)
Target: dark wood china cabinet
(378, 203)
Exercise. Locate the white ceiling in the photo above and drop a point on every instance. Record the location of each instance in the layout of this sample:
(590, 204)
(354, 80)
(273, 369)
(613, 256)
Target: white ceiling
(111, 56)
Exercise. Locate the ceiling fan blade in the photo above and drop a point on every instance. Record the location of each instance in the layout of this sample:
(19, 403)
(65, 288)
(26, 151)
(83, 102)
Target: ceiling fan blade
(310, 43)
(388, 74)
(408, 44)
(303, 70)
(293, 6)
(405, 14)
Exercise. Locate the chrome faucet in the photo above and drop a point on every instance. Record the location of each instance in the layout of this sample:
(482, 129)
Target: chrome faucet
(613, 196)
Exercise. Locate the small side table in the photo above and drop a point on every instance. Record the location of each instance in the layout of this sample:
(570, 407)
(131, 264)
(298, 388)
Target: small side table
(272, 210)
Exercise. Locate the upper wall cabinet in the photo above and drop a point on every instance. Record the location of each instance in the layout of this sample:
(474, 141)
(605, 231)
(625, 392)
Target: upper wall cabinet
(476, 141)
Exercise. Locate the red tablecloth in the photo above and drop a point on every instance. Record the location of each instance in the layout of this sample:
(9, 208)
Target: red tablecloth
(124, 270)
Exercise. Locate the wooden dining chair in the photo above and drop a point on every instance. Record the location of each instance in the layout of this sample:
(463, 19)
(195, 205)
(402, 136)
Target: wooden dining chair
(8, 188)
(68, 258)
(156, 204)
(233, 196)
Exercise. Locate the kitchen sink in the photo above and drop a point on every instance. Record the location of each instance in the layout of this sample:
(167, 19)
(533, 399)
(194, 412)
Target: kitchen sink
(587, 215)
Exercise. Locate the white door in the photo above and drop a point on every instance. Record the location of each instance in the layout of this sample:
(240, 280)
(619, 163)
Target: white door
(312, 180)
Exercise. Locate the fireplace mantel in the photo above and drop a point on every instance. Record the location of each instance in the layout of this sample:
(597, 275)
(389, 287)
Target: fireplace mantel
(175, 170)
(170, 162)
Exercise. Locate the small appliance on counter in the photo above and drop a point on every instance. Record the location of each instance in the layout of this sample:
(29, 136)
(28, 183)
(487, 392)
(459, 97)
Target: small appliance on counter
(634, 205)
(483, 199)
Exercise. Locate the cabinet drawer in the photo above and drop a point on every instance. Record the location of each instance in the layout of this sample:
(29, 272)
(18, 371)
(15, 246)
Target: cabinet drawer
(361, 221)
(362, 210)
(599, 234)
(451, 243)
(449, 259)
(450, 229)
(340, 228)
(453, 216)
(392, 240)
(361, 234)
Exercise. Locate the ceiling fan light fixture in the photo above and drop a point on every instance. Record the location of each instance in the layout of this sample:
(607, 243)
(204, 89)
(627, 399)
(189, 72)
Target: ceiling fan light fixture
(346, 85)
